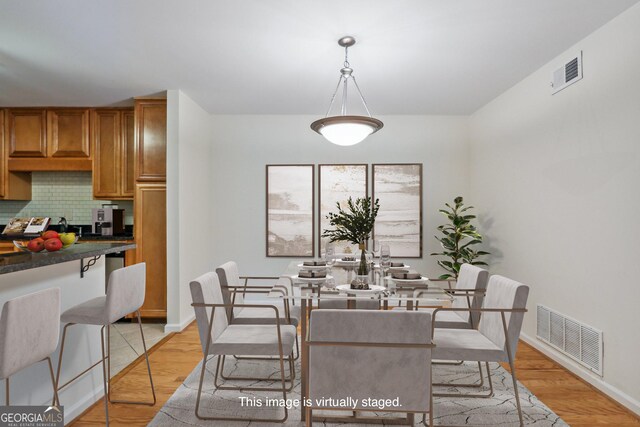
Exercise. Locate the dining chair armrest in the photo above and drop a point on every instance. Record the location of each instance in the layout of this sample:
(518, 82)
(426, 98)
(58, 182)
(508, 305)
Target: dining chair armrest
(449, 281)
(502, 311)
(200, 304)
(249, 289)
(213, 310)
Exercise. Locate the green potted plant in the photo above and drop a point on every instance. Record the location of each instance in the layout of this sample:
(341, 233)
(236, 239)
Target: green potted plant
(457, 239)
(354, 225)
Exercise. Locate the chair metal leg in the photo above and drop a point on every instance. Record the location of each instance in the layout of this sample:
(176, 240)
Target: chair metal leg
(6, 391)
(229, 378)
(146, 356)
(104, 378)
(474, 385)
(480, 396)
(512, 365)
(220, 368)
(56, 399)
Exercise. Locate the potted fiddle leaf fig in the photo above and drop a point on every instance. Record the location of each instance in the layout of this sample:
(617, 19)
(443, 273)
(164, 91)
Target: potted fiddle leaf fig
(459, 236)
(354, 224)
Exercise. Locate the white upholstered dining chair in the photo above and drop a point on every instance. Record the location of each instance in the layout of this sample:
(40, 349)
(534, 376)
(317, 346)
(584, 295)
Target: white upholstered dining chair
(360, 354)
(221, 338)
(235, 287)
(496, 338)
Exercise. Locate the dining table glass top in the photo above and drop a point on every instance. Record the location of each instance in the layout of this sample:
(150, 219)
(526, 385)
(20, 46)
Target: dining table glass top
(421, 293)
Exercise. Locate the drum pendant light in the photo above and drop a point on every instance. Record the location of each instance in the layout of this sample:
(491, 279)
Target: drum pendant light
(345, 129)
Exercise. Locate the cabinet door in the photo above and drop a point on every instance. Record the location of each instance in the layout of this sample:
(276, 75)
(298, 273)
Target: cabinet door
(128, 155)
(27, 132)
(150, 231)
(151, 139)
(68, 133)
(106, 153)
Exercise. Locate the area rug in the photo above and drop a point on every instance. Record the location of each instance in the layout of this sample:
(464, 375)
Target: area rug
(500, 410)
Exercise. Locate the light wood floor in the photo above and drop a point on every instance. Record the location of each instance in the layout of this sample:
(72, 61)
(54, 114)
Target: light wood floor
(174, 358)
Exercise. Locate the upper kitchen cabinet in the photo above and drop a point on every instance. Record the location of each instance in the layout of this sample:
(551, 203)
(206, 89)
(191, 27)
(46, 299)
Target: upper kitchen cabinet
(112, 136)
(13, 185)
(151, 140)
(27, 132)
(68, 132)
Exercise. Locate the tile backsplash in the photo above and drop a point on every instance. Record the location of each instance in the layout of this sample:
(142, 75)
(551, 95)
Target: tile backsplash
(56, 194)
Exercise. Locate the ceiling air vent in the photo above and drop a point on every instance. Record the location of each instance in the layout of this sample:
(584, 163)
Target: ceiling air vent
(568, 74)
(572, 338)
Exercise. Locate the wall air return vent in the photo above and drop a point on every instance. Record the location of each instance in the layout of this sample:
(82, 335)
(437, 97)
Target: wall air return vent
(568, 74)
(574, 339)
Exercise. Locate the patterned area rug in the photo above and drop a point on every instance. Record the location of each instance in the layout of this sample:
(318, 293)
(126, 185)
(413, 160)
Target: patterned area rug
(500, 410)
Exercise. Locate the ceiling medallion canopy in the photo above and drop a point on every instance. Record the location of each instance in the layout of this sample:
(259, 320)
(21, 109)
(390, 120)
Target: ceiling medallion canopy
(345, 129)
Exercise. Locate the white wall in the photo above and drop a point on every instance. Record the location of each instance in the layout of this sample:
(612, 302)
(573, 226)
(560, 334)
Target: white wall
(556, 180)
(189, 203)
(243, 145)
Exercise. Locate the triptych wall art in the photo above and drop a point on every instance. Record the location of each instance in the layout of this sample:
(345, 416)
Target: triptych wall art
(291, 205)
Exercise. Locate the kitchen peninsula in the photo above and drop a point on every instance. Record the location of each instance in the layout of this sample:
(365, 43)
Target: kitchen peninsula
(79, 272)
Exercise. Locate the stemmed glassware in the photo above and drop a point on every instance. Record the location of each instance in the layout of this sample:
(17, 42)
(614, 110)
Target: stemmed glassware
(385, 259)
(330, 259)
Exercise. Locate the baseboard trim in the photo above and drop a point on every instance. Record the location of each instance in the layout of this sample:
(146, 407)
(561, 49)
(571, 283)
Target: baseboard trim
(179, 327)
(614, 393)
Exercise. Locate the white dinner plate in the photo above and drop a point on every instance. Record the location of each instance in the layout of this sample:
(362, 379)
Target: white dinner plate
(312, 267)
(410, 281)
(373, 289)
(312, 279)
(342, 263)
(394, 268)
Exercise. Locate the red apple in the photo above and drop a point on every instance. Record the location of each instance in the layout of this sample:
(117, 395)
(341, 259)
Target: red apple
(35, 245)
(52, 245)
(49, 235)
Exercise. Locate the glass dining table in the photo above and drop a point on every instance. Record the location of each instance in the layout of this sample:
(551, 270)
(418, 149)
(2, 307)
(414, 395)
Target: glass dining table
(312, 293)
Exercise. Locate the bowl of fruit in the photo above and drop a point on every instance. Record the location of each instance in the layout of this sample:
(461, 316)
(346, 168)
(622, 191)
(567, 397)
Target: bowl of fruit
(49, 241)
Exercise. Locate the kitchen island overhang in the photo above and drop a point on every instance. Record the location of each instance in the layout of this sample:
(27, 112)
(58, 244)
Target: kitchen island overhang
(18, 261)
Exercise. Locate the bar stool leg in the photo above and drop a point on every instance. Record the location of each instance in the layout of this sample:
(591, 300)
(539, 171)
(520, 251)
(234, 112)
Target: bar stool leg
(6, 395)
(104, 377)
(146, 356)
(56, 399)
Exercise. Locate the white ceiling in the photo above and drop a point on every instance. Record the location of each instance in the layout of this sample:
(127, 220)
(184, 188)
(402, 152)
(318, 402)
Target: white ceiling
(281, 56)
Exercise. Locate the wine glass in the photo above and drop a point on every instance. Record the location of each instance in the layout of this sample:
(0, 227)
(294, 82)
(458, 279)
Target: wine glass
(329, 256)
(385, 259)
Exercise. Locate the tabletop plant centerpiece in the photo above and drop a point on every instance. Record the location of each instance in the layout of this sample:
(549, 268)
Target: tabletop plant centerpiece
(458, 237)
(355, 224)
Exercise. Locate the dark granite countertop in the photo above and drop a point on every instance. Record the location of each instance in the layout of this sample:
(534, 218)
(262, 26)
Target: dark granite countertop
(19, 261)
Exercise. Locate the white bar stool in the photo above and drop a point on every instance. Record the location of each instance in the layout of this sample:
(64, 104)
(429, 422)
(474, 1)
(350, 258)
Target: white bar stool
(29, 331)
(125, 294)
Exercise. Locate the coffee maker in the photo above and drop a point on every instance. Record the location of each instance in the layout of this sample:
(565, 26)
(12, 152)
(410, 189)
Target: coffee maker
(107, 220)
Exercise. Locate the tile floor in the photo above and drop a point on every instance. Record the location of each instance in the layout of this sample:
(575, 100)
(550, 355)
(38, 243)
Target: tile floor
(126, 343)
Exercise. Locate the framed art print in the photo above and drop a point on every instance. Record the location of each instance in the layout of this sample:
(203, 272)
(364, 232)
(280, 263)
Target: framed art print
(399, 221)
(290, 210)
(337, 183)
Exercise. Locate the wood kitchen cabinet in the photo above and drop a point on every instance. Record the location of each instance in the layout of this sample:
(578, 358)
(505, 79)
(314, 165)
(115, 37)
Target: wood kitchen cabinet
(68, 132)
(150, 231)
(151, 140)
(13, 185)
(27, 132)
(112, 135)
